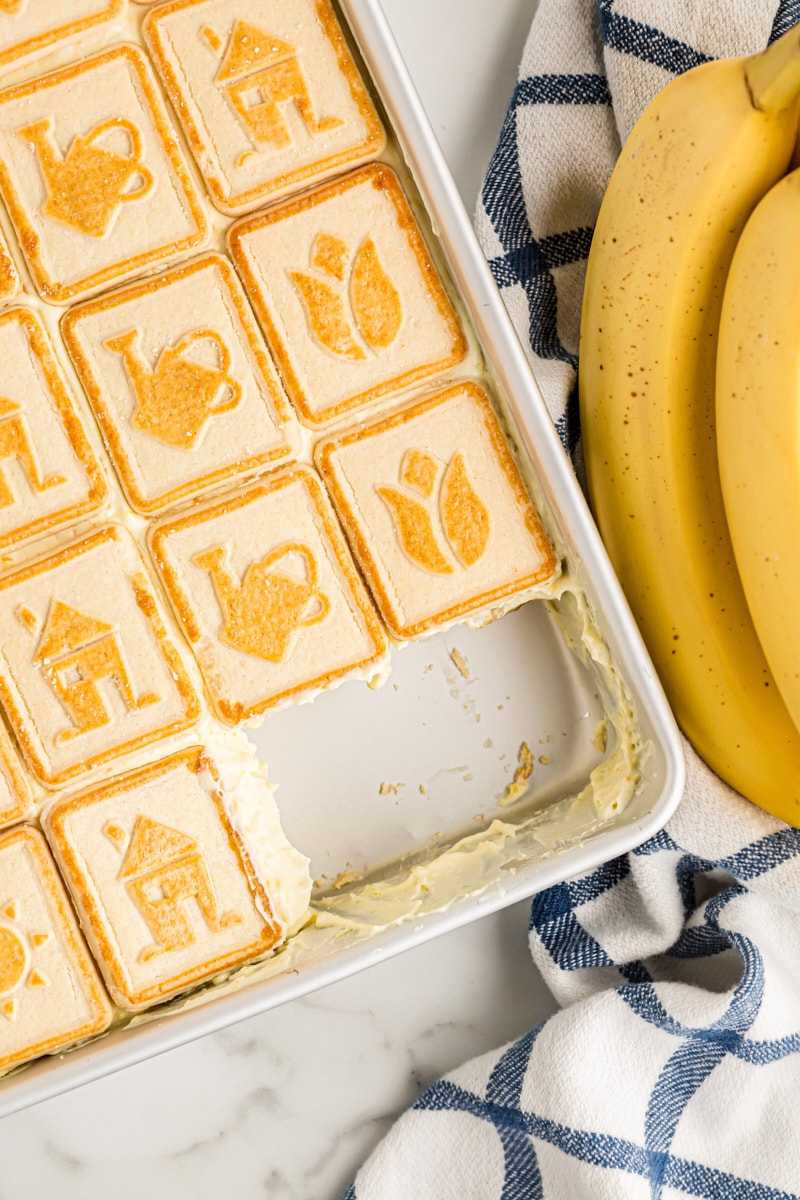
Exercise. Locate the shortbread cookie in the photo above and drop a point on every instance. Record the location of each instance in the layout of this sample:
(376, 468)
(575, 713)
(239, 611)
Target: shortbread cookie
(268, 596)
(50, 993)
(87, 669)
(49, 477)
(267, 92)
(180, 382)
(15, 791)
(29, 28)
(92, 175)
(165, 891)
(436, 511)
(9, 277)
(347, 294)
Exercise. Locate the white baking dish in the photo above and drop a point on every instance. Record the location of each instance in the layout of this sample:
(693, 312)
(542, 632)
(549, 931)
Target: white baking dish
(405, 798)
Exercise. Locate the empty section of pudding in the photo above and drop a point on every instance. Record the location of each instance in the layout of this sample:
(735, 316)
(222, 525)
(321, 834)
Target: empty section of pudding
(88, 671)
(162, 881)
(268, 596)
(180, 382)
(347, 294)
(437, 514)
(92, 176)
(267, 92)
(49, 476)
(50, 991)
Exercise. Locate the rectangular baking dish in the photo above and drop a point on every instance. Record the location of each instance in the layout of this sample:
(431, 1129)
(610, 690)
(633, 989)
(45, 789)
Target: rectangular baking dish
(494, 762)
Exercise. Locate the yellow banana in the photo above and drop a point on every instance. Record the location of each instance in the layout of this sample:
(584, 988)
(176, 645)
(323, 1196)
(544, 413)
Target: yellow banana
(758, 425)
(703, 153)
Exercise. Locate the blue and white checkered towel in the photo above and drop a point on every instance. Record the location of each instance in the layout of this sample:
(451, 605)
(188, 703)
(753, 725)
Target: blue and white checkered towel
(673, 1067)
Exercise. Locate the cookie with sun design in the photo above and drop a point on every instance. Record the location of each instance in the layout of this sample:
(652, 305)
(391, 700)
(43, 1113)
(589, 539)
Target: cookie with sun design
(437, 514)
(165, 890)
(50, 993)
(347, 295)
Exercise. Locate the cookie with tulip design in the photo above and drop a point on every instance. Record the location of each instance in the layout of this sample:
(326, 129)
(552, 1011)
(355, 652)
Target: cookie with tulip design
(268, 595)
(347, 294)
(436, 512)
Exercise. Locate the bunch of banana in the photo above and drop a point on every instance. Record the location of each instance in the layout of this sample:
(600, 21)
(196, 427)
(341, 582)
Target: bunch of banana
(758, 425)
(702, 155)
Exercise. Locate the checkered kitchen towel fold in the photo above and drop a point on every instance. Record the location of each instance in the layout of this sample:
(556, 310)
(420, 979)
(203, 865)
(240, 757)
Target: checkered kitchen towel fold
(673, 1067)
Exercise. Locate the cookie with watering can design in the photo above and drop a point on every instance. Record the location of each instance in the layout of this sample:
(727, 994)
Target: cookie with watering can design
(347, 295)
(181, 383)
(268, 94)
(162, 882)
(268, 595)
(437, 514)
(50, 992)
(92, 175)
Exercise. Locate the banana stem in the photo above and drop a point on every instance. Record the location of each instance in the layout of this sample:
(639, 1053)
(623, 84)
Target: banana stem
(773, 76)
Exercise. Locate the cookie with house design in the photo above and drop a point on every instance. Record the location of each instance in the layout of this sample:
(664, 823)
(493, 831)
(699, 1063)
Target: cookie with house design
(92, 175)
(49, 475)
(268, 596)
(88, 671)
(163, 885)
(9, 276)
(180, 382)
(347, 295)
(268, 94)
(29, 28)
(16, 799)
(436, 511)
(50, 992)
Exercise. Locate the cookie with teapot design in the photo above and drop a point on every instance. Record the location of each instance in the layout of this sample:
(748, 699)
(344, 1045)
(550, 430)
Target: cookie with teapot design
(267, 594)
(180, 382)
(92, 175)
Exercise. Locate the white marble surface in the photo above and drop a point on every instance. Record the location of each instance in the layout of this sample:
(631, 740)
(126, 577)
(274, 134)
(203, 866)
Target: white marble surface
(286, 1106)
